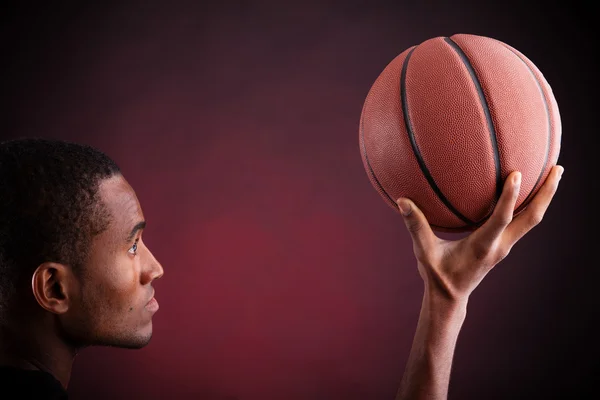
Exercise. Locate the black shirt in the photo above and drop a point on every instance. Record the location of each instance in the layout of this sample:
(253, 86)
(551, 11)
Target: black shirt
(25, 385)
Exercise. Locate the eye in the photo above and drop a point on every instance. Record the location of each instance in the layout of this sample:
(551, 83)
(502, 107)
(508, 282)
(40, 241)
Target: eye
(133, 249)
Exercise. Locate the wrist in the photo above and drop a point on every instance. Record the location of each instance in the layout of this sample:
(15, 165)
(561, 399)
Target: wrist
(442, 305)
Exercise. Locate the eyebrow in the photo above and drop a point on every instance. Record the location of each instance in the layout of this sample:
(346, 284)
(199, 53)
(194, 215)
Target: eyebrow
(139, 226)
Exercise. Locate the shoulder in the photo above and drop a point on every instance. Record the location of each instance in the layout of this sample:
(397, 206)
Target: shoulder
(23, 384)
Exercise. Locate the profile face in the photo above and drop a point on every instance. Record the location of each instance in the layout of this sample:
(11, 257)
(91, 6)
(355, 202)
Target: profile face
(114, 303)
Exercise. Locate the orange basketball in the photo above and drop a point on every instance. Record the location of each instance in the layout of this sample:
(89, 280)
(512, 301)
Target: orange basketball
(448, 120)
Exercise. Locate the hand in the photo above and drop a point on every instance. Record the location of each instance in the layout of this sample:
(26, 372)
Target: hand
(455, 268)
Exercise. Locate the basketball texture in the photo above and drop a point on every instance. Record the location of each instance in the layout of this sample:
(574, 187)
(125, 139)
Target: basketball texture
(448, 120)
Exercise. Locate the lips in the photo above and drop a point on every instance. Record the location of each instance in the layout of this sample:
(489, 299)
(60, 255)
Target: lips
(152, 304)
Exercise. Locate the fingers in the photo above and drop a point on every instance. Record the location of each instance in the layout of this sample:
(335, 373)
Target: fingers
(416, 223)
(535, 210)
(502, 215)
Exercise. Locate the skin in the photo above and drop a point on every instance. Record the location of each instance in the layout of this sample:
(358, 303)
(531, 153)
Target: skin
(451, 270)
(106, 303)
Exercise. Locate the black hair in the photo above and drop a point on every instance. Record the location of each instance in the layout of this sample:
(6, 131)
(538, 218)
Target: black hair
(49, 206)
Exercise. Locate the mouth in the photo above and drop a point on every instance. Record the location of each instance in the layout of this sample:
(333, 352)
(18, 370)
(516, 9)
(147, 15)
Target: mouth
(152, 304)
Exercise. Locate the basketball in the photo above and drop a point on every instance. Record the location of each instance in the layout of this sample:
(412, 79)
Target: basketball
(449, 119)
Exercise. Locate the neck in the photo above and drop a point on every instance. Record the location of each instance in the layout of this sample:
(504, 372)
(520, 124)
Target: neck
(35, 349)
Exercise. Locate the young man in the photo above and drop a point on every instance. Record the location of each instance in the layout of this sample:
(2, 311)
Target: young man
(74, 270)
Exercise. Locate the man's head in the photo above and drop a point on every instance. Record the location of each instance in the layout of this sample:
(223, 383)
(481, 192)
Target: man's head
(72, 257)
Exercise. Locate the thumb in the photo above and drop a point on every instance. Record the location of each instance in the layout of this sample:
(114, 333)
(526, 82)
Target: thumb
(416, 223)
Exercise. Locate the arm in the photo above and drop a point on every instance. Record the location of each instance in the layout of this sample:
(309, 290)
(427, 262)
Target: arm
(451, 270)
(427, 372)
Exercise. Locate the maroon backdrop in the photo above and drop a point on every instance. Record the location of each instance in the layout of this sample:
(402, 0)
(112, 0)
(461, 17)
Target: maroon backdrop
(286, 275)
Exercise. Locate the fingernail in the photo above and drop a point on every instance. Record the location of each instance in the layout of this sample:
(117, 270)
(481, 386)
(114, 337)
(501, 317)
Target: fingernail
(517, 179)
(404, 207)
(560, 172)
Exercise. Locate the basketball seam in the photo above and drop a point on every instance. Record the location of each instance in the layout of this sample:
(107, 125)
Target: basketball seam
(373, 176)
(547, 106)
(388, 197)
(486, 110)
(415, 147)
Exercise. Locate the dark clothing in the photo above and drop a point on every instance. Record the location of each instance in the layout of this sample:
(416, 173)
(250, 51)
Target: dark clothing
(29, 385)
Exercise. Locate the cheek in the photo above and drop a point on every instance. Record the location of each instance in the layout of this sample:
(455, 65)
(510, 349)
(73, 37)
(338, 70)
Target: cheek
(115, 288)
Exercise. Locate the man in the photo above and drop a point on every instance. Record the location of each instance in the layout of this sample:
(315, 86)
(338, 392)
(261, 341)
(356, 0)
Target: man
(74, 270)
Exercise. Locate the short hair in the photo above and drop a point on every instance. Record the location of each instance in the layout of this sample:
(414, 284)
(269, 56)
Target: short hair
(50, 207)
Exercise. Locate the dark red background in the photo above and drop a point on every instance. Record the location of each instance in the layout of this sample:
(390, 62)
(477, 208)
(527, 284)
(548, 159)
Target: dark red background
(286, 275)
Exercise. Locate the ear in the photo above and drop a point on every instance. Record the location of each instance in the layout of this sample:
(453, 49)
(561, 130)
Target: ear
(50, 284)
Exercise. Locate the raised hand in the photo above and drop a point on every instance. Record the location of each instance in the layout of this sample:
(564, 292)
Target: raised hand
(451, 270)
(455, 268)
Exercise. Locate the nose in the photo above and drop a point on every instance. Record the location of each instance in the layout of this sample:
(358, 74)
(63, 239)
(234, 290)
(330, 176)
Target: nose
(157, 269)
(152, 269)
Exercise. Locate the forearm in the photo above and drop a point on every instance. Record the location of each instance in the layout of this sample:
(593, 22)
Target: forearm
(427, 373)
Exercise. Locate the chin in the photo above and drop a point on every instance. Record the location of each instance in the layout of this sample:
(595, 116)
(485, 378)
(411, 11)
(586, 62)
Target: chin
(128, 340)
(136, 341)
(139, 343)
